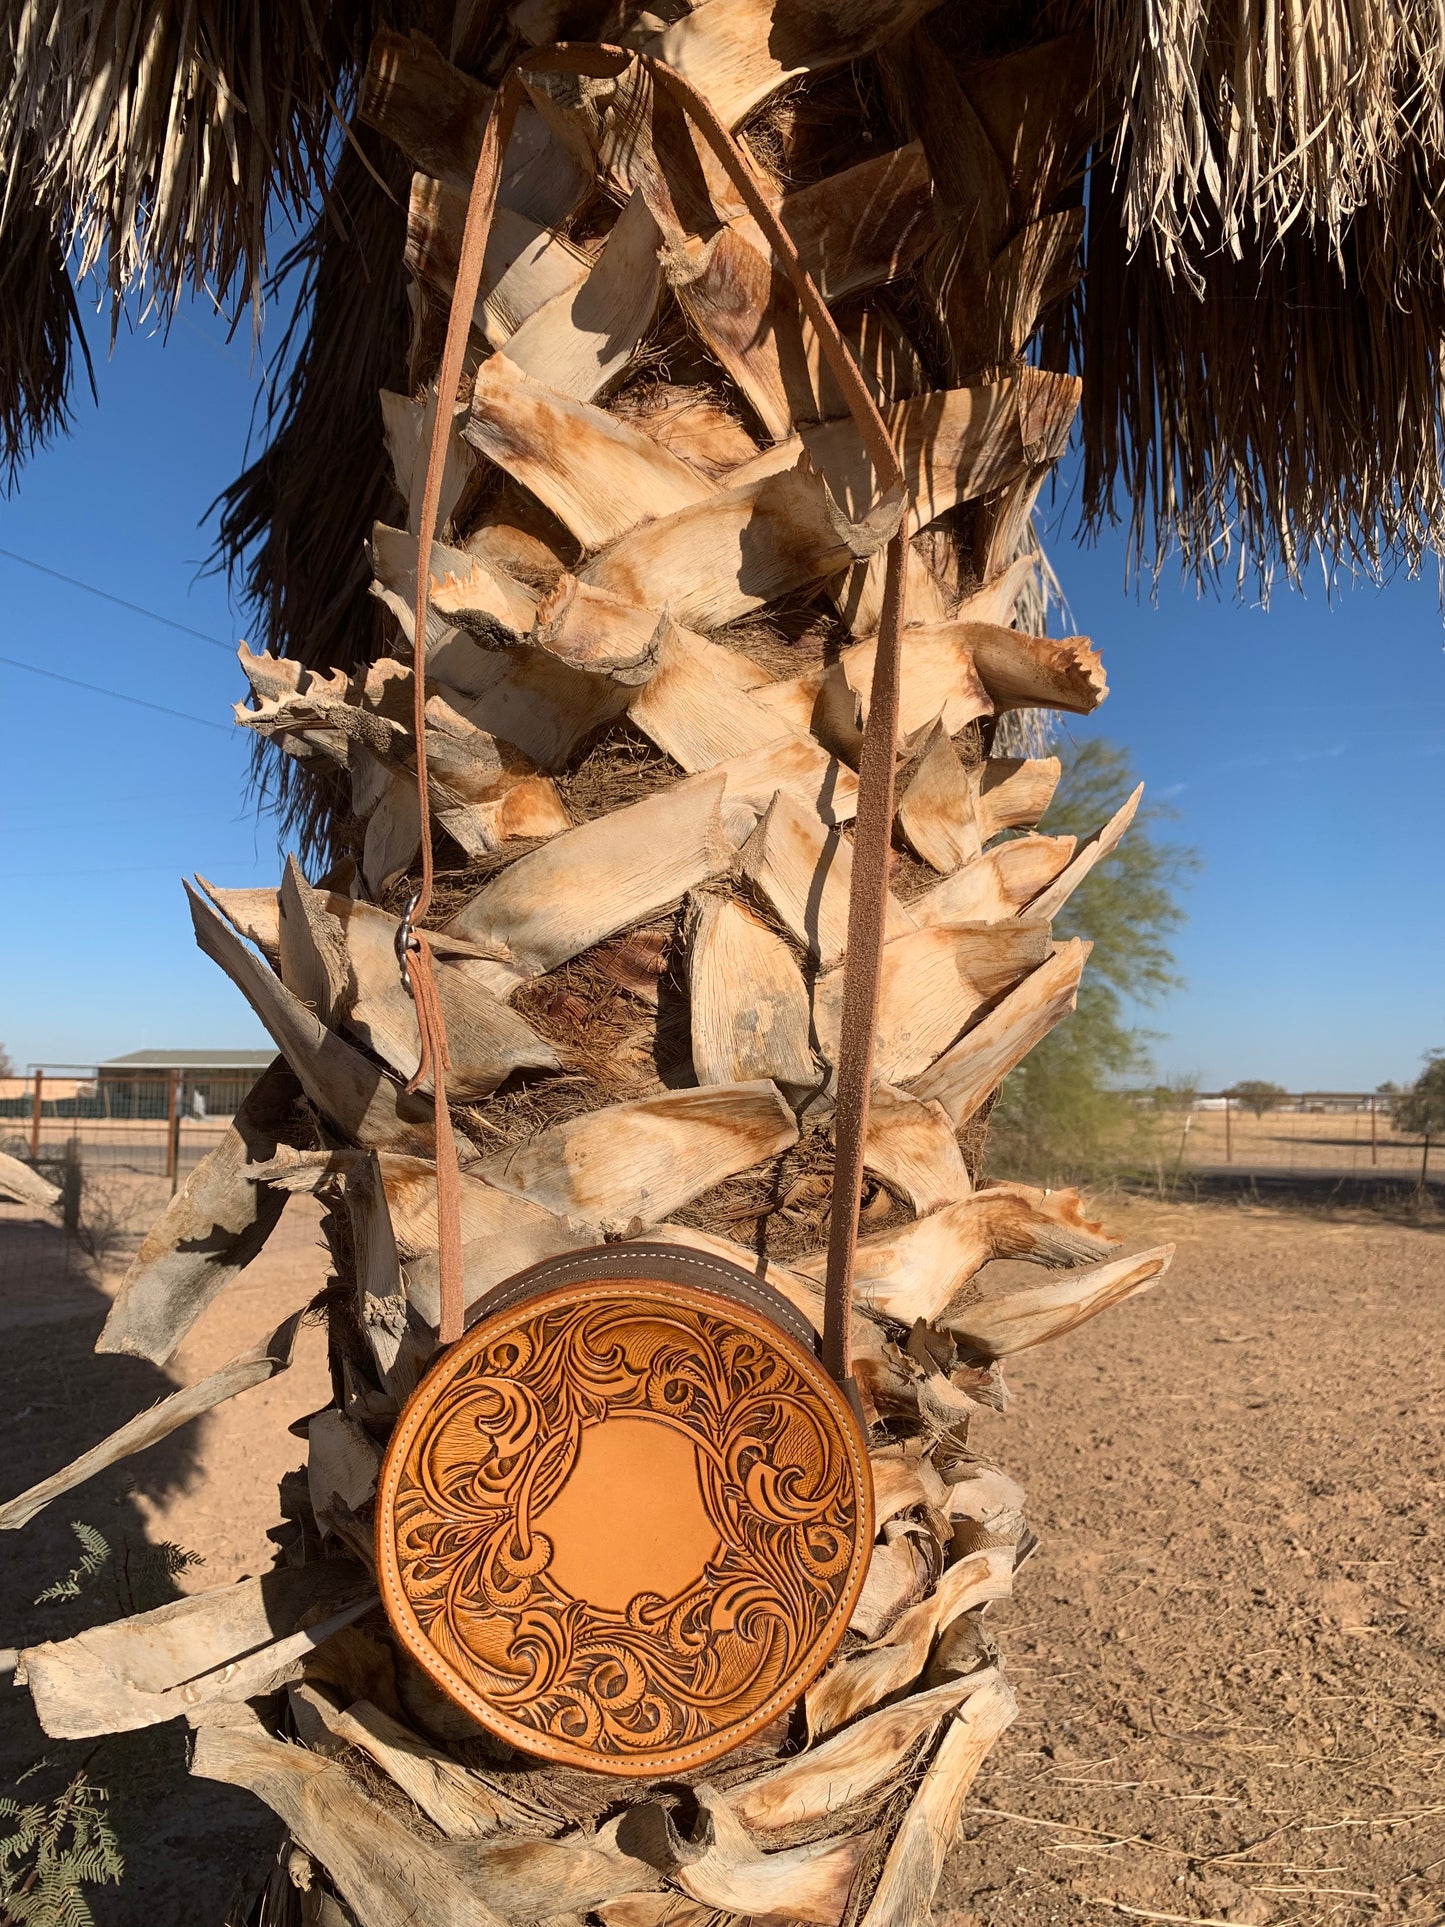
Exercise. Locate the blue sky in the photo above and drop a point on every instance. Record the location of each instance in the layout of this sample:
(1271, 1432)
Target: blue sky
(1302, 749)
(105, 806)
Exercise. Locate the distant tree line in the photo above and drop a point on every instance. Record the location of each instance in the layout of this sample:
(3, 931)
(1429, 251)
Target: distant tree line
(1067, 1114)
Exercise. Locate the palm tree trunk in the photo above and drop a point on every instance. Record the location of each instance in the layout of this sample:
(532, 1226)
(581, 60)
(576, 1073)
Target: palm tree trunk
(653, 618)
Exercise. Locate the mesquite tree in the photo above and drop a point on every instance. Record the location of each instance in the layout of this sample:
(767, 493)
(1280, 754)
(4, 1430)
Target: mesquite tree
(1420, 1108)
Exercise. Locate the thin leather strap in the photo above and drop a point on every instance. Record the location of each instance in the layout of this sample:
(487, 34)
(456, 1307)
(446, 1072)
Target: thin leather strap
(418, 973)
(867, 922)
(873, 828)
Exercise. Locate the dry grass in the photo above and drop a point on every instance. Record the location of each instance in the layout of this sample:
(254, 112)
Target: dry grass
(1307, 1144)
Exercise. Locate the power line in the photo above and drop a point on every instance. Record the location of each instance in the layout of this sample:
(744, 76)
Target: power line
(111, 870)
(82, 809)
(105, 595)
(115, 695)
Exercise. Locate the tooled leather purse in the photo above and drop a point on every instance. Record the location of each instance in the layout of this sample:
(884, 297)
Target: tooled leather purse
(625, 1517)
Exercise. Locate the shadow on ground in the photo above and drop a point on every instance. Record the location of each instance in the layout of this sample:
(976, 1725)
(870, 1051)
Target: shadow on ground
(1393, 1193)
(187, 1843)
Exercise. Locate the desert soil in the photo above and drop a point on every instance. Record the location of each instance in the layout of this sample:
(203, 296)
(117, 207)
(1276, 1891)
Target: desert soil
(191, 1847)
(1227, 1649)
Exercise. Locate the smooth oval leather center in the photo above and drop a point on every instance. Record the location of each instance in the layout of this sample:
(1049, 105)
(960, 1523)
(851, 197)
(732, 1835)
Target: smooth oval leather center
(630, 1518)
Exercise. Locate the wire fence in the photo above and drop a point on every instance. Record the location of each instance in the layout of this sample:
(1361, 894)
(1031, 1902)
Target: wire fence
(156, 1125)
(117, 1147)
(1317, 1135)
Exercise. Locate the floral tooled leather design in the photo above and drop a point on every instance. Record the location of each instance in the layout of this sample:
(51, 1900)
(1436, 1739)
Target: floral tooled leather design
(488, 1446)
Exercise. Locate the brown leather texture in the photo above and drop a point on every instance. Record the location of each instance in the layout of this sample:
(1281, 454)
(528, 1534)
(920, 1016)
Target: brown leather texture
(624, 1521)
(652, 1263)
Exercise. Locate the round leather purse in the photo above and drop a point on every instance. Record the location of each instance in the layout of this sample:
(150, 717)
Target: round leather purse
(624, 1522)
(625, 1518)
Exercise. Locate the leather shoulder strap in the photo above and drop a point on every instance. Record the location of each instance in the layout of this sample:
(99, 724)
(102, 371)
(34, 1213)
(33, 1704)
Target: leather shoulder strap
(873, 828)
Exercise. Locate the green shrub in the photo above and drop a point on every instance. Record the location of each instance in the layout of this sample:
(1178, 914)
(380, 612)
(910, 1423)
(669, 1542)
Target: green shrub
(1257, 1095)
(52, 1850)
(1420, 1109)
(1066, 1115)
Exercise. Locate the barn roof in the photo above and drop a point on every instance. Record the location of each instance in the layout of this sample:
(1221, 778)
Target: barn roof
(220, 1059)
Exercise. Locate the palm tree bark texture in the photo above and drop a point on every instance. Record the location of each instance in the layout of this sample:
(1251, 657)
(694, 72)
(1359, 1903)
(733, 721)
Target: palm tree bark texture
(648, 665)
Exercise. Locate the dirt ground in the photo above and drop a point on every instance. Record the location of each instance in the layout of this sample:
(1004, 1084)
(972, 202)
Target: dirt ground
(190, 1845)
(1227, 1650)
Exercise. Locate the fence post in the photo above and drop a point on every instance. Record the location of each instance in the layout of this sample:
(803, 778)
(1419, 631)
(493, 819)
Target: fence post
(35, 1115)
(173, 1126)
(1228, 1133)
(1183, 1140)
(70, 1185)
(1374, 1137)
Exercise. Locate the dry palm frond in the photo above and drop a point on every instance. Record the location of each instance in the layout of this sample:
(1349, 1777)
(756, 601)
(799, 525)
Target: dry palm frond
(1261, 329)
(292, 526)
(39, 331)
(162, 139)
(1032, 732)
(1238, 123)
(1288, 411)
(1263, 304)
(157, 145)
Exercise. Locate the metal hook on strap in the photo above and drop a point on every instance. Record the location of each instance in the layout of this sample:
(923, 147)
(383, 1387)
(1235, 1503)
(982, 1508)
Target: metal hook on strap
(407, 942)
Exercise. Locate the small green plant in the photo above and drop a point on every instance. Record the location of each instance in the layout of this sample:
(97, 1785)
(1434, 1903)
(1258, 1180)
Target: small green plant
(95, 1552)
(52, 1850)
(133, 1578)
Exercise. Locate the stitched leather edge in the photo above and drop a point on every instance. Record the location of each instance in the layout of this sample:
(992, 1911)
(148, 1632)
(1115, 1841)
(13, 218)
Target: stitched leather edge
(644, 1259)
